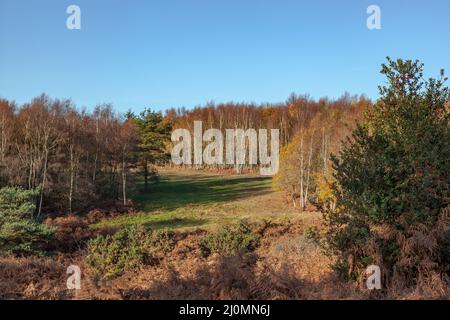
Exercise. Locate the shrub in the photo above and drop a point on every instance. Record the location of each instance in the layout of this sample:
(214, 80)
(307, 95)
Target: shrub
(20, 233)
(312, 233)
(392, 182)
(229, 240)
(158, 244)
(72, 232)
(111, 255)
(33, 278)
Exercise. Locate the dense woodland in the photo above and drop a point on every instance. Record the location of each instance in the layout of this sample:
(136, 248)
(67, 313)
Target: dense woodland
(72, 157)
(77, 158)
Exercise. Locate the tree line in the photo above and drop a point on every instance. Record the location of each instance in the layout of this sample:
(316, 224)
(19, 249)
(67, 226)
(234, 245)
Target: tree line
(78, 159)
(299, 113)
(305, 168)
(74, 159)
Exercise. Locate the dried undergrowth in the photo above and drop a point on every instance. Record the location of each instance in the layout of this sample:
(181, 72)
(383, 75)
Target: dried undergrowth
(286, 265)
(33, 278)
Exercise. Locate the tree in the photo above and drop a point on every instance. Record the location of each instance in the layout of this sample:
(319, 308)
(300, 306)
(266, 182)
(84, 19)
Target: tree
(154, 135)
(127, 141)
(7, 110)
(392, 182)
(304, 163)
(20, 234)
(74, 158)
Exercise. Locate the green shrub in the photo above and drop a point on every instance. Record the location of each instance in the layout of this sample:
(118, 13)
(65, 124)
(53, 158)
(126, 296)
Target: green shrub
(158, 244)
(229, 240)
(111, 255)
(392, 182)
(312, 233)
(20, 233)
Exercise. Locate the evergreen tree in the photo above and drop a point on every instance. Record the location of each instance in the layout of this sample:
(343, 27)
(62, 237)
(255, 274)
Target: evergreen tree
(20, 233)
(154, 134)
(392, 180)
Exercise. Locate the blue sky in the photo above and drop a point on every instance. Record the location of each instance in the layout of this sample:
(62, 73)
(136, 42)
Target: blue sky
(164, 53)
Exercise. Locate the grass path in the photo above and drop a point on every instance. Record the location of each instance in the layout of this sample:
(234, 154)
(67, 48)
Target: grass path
(194, 200)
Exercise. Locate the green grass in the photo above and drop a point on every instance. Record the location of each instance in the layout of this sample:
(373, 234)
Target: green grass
(178, 190)
(186, 201)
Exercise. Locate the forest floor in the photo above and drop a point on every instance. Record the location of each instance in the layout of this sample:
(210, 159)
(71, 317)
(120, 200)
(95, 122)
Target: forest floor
(192, 203)
(287, 264)
(190, 200)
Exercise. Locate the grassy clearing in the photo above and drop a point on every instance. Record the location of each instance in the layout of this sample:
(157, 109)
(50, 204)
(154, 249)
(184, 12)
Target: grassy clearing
(187, 201)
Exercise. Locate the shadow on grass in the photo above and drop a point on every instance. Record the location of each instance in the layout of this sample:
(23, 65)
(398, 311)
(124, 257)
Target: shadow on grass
(176, 190)
(174, 223)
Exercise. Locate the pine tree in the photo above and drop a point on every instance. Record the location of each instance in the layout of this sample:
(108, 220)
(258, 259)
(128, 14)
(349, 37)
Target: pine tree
(154, 135)
(20, 233)
(392, 181)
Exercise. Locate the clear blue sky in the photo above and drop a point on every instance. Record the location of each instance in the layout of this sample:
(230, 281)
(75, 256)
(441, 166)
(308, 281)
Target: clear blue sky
(163, 53)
